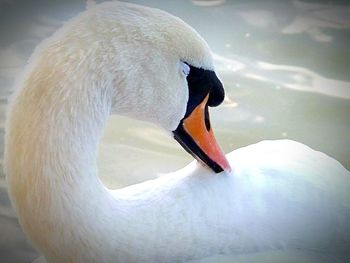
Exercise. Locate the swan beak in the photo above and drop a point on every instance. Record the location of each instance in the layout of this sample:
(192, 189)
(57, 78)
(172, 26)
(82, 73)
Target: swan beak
(195, 134)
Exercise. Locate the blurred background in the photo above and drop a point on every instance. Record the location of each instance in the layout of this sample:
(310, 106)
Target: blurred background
(285, 66)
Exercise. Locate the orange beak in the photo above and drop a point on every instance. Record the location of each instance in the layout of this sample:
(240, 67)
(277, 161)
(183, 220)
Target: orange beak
(197, 137)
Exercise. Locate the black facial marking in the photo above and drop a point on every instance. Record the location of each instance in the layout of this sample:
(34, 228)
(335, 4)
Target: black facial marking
(202, 82)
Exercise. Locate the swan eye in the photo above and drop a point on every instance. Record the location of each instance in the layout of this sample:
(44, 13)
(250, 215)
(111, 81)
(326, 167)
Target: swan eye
(185, 69)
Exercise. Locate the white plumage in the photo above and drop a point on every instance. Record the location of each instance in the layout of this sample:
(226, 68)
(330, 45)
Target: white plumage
(126, 59)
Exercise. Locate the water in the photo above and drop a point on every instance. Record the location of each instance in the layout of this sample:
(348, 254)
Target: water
(286, 70)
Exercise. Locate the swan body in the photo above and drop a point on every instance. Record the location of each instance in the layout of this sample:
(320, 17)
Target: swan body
(119, 58)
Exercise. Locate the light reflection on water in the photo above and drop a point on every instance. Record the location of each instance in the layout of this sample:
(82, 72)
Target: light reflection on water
(285, 66)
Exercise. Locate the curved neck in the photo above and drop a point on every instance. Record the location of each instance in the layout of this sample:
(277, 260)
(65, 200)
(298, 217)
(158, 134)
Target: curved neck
(51, 144)
(69, 136)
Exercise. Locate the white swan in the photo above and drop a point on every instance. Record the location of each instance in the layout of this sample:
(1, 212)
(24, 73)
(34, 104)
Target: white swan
(144, 63)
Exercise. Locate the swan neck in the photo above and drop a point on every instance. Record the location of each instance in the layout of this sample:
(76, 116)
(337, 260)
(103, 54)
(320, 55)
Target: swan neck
(58, 141)
(52, 139)
(74, 141)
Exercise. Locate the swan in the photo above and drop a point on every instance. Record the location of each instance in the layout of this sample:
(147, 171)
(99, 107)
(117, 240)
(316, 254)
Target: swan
(121, 58)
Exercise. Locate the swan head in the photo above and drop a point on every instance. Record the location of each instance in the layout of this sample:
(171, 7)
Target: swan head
(150, 65)
(194, 131)
(168, 76)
